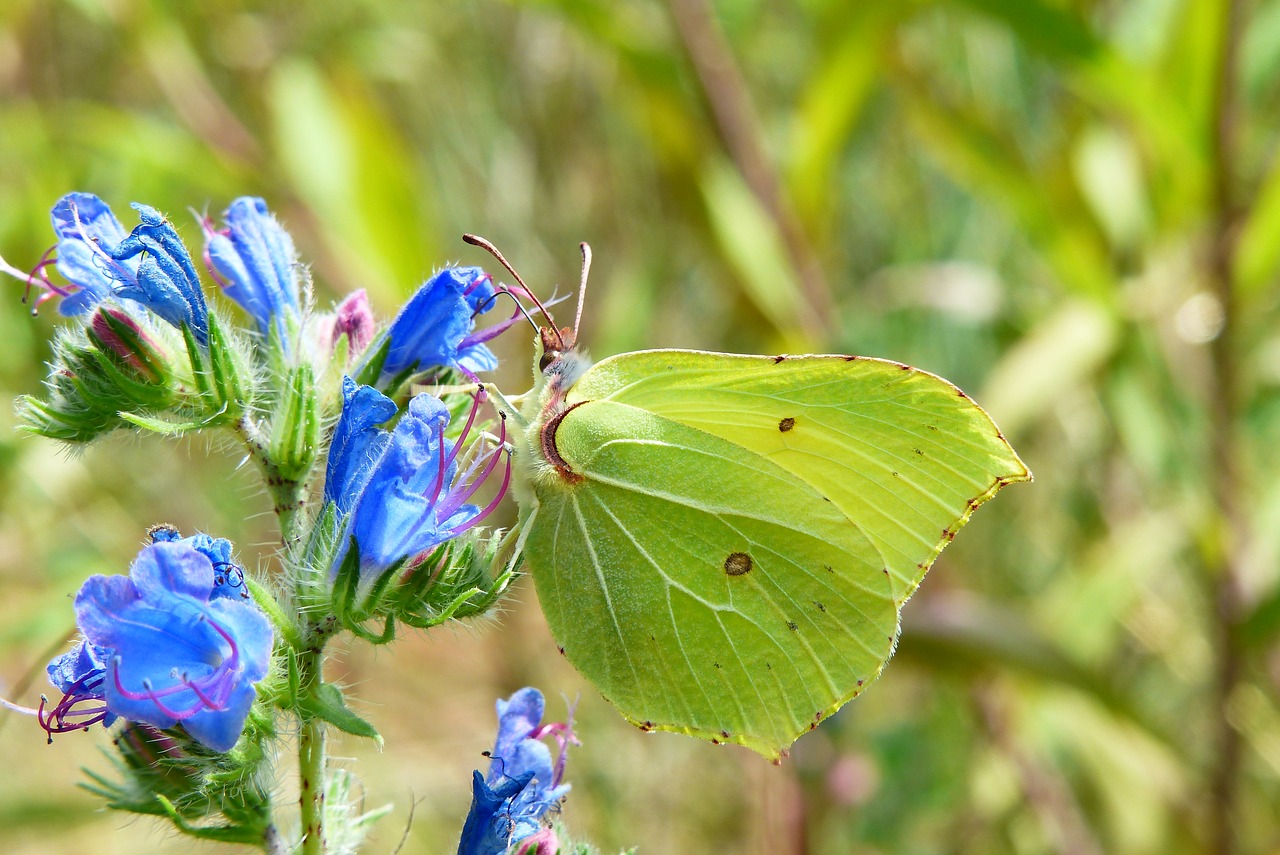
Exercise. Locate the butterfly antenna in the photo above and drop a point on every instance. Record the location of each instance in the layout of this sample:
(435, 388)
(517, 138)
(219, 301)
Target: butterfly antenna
(476, 240)
(582, 287)
(492, 301)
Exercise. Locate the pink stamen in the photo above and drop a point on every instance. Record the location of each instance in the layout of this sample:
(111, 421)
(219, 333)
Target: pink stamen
(435, 495)
(216, 700)
(490, 333)
(491, 507)
(477, 399)
(456, 500)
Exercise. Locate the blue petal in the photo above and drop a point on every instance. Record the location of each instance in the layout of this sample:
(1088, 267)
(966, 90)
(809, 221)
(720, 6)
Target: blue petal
(164, 570)
(76, 664)
(357, 442)
(100, 600)
(93, 272)
(518, 716)
(219, 730)
(430, 328)
(488, 828)
(251, 629)
(395, 517)
(258, 261)
(166, 283)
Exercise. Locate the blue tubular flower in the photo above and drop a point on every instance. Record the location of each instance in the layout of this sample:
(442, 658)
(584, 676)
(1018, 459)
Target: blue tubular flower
(166, 283)
(523, 783)
(434, 328)
(88, 233)
(405, 490)
(357, 442)
(254, 261)
(175, 652)
(149, 265)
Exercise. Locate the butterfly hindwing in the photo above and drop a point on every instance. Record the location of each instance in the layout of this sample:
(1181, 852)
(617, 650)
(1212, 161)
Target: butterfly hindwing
(702, 588)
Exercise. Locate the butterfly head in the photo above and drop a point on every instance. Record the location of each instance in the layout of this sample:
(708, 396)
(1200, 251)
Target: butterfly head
(560, 363)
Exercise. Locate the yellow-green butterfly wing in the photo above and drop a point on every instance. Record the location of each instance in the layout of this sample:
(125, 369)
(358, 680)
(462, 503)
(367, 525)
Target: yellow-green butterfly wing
(721, 544)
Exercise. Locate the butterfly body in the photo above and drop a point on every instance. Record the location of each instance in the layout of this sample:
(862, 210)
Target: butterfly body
(722, 543)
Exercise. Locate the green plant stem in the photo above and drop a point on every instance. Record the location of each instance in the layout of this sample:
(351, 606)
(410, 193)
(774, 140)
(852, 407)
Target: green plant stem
(1227, 484)
(729, 99)
(286, 493)
(311, 766)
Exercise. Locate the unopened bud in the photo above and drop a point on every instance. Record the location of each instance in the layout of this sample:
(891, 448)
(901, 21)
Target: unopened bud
(115, 333)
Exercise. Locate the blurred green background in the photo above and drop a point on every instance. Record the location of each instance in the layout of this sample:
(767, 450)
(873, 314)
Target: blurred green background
(1069, 207)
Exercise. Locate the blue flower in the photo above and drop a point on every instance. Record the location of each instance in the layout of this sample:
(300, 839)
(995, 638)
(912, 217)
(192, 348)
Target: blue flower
(149, 265)
(166, 283)
(228, 577)
(523, 783)
(88, 233)
(173, 652)
(434, 329)
(404, 490)
(255, 262)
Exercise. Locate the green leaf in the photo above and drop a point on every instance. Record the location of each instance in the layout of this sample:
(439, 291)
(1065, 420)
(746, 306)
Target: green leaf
(329, 704)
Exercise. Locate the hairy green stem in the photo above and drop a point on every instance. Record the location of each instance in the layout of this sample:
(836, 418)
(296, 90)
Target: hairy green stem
(286, 493)
(311, 765)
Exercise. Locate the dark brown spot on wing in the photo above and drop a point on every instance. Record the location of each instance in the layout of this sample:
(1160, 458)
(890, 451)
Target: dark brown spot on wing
(786, 424)
(737, 564)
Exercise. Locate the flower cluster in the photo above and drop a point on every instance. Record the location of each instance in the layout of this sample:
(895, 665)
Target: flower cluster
(199, 661)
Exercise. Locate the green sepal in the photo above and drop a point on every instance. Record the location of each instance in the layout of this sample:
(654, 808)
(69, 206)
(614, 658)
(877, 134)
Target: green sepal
(295, 425)
(63, 420)
(312, 584)
(218, 372)
(220, 833)
(227, 371)
(328, 703)
(457, 580)
(377, 357)
(165, 427)
(353, 603)
(271, 607)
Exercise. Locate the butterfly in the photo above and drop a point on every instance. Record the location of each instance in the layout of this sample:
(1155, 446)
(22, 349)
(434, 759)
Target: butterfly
(722, 544)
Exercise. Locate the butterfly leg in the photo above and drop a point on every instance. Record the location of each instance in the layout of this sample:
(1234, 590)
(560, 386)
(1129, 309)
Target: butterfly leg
(507, 405)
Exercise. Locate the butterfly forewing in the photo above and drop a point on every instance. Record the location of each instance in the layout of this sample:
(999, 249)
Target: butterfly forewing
(903, 454)
(701, 587)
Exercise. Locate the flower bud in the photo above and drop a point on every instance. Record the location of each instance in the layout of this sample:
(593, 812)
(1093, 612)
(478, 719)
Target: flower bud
(119, 336)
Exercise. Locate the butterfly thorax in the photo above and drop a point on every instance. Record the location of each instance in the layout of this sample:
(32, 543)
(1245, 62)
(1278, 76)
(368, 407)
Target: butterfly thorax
(538, 464)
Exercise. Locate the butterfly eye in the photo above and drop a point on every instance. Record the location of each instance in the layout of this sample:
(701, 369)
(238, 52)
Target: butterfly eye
(547, 358)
